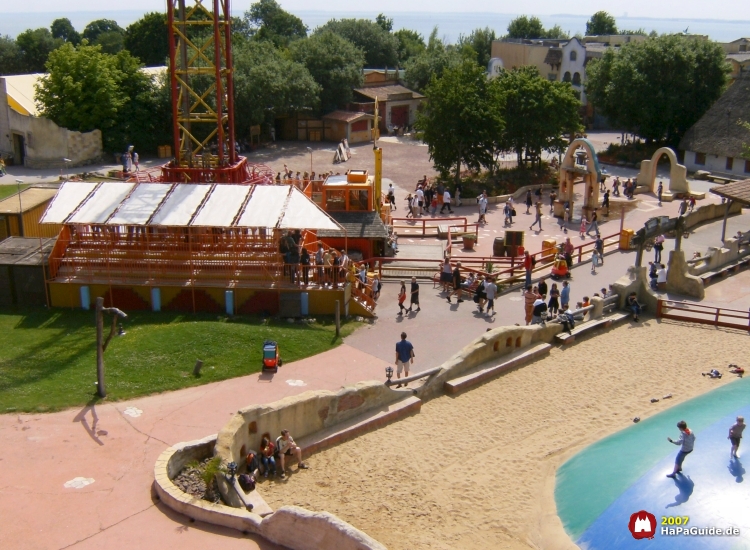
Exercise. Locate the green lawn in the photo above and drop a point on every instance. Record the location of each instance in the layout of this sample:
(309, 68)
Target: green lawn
(48, 358)
(8, 190)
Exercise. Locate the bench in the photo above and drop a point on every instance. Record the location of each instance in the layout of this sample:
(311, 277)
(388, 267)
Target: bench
(724, 270)
(603, 322)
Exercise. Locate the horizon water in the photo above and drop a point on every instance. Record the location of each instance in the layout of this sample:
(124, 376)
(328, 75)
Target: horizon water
(450, 24)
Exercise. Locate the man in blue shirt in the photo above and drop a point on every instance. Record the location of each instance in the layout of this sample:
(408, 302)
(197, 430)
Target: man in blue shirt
(565, 295)
(404, 357)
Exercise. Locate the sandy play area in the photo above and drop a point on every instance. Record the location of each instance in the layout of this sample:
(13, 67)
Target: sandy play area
(477, 471)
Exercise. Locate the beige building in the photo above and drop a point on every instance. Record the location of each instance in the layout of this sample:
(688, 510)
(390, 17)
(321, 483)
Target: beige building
(741, 45)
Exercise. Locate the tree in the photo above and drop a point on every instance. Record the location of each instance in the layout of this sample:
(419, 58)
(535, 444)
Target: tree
(556, 33)
(10, 56)
(410, 44)
(385, 23)
(110, 41)
(379, 46)
(267, 83)
(537, 113)
(63, 29)
(461, 118)
(480, 41)
(601, 23)
(268, 21)
(435, 59)
(86, 89)
(147, 39)
(92, 31)
(659, 87)
(35, 47)
(334, 63)
(526, 27)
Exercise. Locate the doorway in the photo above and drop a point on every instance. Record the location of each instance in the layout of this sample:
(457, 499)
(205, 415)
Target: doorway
(19, 150)
(400, 116)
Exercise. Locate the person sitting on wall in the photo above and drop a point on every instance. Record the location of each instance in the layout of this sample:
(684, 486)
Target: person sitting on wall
(634, 306)
(287, 447)
(267, 450)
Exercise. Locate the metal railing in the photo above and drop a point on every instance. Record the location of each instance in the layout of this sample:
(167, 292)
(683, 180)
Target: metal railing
(427, 223)
(703, 314)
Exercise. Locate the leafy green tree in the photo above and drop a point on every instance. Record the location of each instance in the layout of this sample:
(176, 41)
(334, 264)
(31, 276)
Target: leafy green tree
(35, 47)
(385, 23)
(92, 31)
(334, 63)
(601, 23)
(436, 58)
(110, 41)
(268, 21)
(147, 39)
(461, 118)
(556, 33)
(537, 113)
(379, 46)
(659, 87)
(526, 27)
(63, 29)
(480, 41)
(86, 89)
(10, 56)
(410, 44)
(641, 31)
(745, 146)
(267, 83)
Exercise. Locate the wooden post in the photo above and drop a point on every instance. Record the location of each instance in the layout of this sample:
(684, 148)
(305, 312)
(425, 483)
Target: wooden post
(197, 367)
(100, 390)
(338, 319)
(724, 224)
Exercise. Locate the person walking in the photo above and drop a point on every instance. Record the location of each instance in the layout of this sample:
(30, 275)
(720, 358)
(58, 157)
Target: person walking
(404, 358)
(605, 202)
(568, 249)
(446, 276)
(414, 295)
(392, 196)
(659, 191)
(594, 224)
(490, 290)
(409, 210)
(565, 296)
(735, 435)
(446, 202)
(420, 200)
(456, 283)
(538, 218)
(599, 247)
(507, 214)
(552, 199)
(528, 201)
(595, 261)
(582, 229)
(686, 443)
(401, 298)
(482, 203)
(542, 286)
(458, 194)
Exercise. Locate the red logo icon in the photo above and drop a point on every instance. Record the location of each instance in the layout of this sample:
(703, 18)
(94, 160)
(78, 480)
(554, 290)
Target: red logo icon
(642, 525)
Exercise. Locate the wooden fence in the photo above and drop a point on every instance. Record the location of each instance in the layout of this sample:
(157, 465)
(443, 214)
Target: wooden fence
(703, 314)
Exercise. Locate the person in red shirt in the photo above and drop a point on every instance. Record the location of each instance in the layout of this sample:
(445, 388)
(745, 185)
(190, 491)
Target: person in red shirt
(528, 265)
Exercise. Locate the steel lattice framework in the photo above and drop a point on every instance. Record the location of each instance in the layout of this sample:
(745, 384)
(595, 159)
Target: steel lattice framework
(200, 51)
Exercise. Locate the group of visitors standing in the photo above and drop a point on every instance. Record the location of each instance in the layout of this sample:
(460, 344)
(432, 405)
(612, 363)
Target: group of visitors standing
(427, 197)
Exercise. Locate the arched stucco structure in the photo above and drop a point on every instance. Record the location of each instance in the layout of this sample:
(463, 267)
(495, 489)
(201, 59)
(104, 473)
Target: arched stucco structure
(570, 170)
(677, 174)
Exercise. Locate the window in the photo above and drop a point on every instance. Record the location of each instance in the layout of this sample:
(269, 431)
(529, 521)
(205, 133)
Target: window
(358, 199)
(743, 47)
(552, 77)
(577, 79)
(730, 163)
(361, 126)
(566, 78)
(335, 199)
(747, 167)
(700, 159)
(573, 55)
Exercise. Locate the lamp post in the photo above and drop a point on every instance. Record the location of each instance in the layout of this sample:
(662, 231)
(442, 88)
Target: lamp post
(309, 149)
(20, 209)
(388, 375)
(67, 168)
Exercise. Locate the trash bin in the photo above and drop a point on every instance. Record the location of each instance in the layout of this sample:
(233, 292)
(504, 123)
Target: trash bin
(549, 247)
(626, 235)
(498, 247)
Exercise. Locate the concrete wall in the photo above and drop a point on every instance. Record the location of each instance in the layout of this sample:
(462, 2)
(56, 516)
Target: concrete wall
(47, 143)
(6, 138)
(715, 258)
(290, 526)
(716, 164)
(302, 415)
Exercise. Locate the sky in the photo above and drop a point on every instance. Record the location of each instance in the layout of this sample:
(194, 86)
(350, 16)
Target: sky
(692, 9)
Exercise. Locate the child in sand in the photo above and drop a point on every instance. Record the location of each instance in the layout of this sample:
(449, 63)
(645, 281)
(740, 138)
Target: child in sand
(713, 373)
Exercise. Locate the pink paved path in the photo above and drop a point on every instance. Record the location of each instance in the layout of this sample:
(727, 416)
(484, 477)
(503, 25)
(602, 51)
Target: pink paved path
(42, 452)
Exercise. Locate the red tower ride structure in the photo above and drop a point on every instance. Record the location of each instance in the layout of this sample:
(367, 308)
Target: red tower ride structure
(202, 89)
